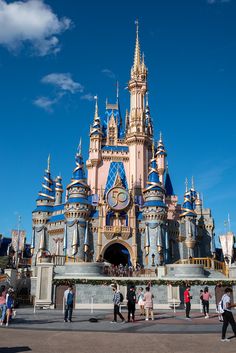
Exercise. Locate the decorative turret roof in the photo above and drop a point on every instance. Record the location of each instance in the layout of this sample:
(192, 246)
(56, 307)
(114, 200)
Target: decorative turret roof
(153, 182)
(139, 65)
(78, 187)
(96, 128)
(154, 192)
(47, 193)
(187, 208)
(168, 184)
(160, 147)
(148, 119)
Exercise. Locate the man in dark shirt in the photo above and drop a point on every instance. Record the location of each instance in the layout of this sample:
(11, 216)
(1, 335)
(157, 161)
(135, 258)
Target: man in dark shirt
(131, 297)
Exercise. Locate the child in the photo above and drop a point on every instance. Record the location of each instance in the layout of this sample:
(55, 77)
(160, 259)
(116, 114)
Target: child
(140, 301)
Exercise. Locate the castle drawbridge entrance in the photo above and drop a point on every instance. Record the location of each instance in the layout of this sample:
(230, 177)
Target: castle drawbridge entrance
(117, 254)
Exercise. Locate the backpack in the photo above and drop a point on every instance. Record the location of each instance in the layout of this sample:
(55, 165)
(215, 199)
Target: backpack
(220, 307)
(121, 298)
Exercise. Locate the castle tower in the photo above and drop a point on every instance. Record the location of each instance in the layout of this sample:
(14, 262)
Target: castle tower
(94, 150)
(155, 213)
(161, 159)
(138, 138)
(43, 211)
(188, 223)
(77, 209)
(58, 190)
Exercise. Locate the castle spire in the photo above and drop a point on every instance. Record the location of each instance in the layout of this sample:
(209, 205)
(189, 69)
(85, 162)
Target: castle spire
(96, 107)
(137, 56)
(79, 149)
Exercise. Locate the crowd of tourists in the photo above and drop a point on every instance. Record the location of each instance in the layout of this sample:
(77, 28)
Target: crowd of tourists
(142, 298)
(123, 271)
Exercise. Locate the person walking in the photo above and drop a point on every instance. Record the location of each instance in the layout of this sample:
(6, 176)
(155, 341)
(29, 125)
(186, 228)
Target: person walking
(3, 306)
(187, 301)
(205, 302)
(148, 300)
(117, 299)
(9, 304)
(131, 297)
(140, 301)
(227, 314)
(68, 303)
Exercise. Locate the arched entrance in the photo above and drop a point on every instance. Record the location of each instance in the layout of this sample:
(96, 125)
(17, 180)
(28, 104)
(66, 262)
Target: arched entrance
(117, 254)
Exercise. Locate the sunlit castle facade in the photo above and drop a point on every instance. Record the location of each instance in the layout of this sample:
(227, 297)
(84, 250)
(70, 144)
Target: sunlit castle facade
(125, 210)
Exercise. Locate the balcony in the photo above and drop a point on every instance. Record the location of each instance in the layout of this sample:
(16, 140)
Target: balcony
(117, 231)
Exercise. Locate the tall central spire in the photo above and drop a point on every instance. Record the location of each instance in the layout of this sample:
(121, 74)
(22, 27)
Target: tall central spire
(137, 56)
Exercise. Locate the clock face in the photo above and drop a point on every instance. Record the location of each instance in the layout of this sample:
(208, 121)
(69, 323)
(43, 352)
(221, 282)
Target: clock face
(118, 198)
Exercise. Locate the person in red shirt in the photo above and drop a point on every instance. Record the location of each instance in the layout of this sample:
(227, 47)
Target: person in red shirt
(187, 301)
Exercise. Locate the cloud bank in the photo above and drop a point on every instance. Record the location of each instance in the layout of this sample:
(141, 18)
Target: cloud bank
(63, 81)
(31, 22)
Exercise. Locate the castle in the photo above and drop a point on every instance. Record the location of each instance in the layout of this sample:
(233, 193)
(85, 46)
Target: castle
(125, 210)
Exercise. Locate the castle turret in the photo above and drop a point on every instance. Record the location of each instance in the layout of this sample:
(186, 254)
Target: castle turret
(58, 190)
(43, 211)
(161, 159)
(94, 149)
(188, 222)
(154, 213)
(77, 209)
(137, 136)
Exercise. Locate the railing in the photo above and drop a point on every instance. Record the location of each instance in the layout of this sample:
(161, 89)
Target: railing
(59, 260)
(207, 263)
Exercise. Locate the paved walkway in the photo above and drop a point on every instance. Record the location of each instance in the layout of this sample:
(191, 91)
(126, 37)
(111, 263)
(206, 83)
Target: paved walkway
(165, 322)
(45, 331)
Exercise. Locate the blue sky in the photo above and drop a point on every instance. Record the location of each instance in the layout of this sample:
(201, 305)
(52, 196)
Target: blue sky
(56, 55)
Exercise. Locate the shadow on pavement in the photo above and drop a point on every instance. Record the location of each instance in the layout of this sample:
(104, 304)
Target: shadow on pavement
(15, 349)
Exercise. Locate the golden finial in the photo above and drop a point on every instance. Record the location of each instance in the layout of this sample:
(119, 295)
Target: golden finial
(137, 47)
(49, 162)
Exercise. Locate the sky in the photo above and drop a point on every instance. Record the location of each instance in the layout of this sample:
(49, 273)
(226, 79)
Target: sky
(55, 56)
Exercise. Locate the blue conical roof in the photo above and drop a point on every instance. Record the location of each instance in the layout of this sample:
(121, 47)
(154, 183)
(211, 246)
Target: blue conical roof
(153, 182)
(48, 187)
(78, 176)
(168, 185)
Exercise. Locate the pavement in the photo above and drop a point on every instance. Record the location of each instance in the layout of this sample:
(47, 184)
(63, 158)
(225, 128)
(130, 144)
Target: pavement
(45, 331)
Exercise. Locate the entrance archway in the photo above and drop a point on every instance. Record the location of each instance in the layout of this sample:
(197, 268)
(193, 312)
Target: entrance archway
(117, 254)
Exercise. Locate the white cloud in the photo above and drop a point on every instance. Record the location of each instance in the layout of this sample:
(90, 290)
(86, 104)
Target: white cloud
(109, 73)
(33, 22)
(88, 97)
(47, 103)
(63, 81)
